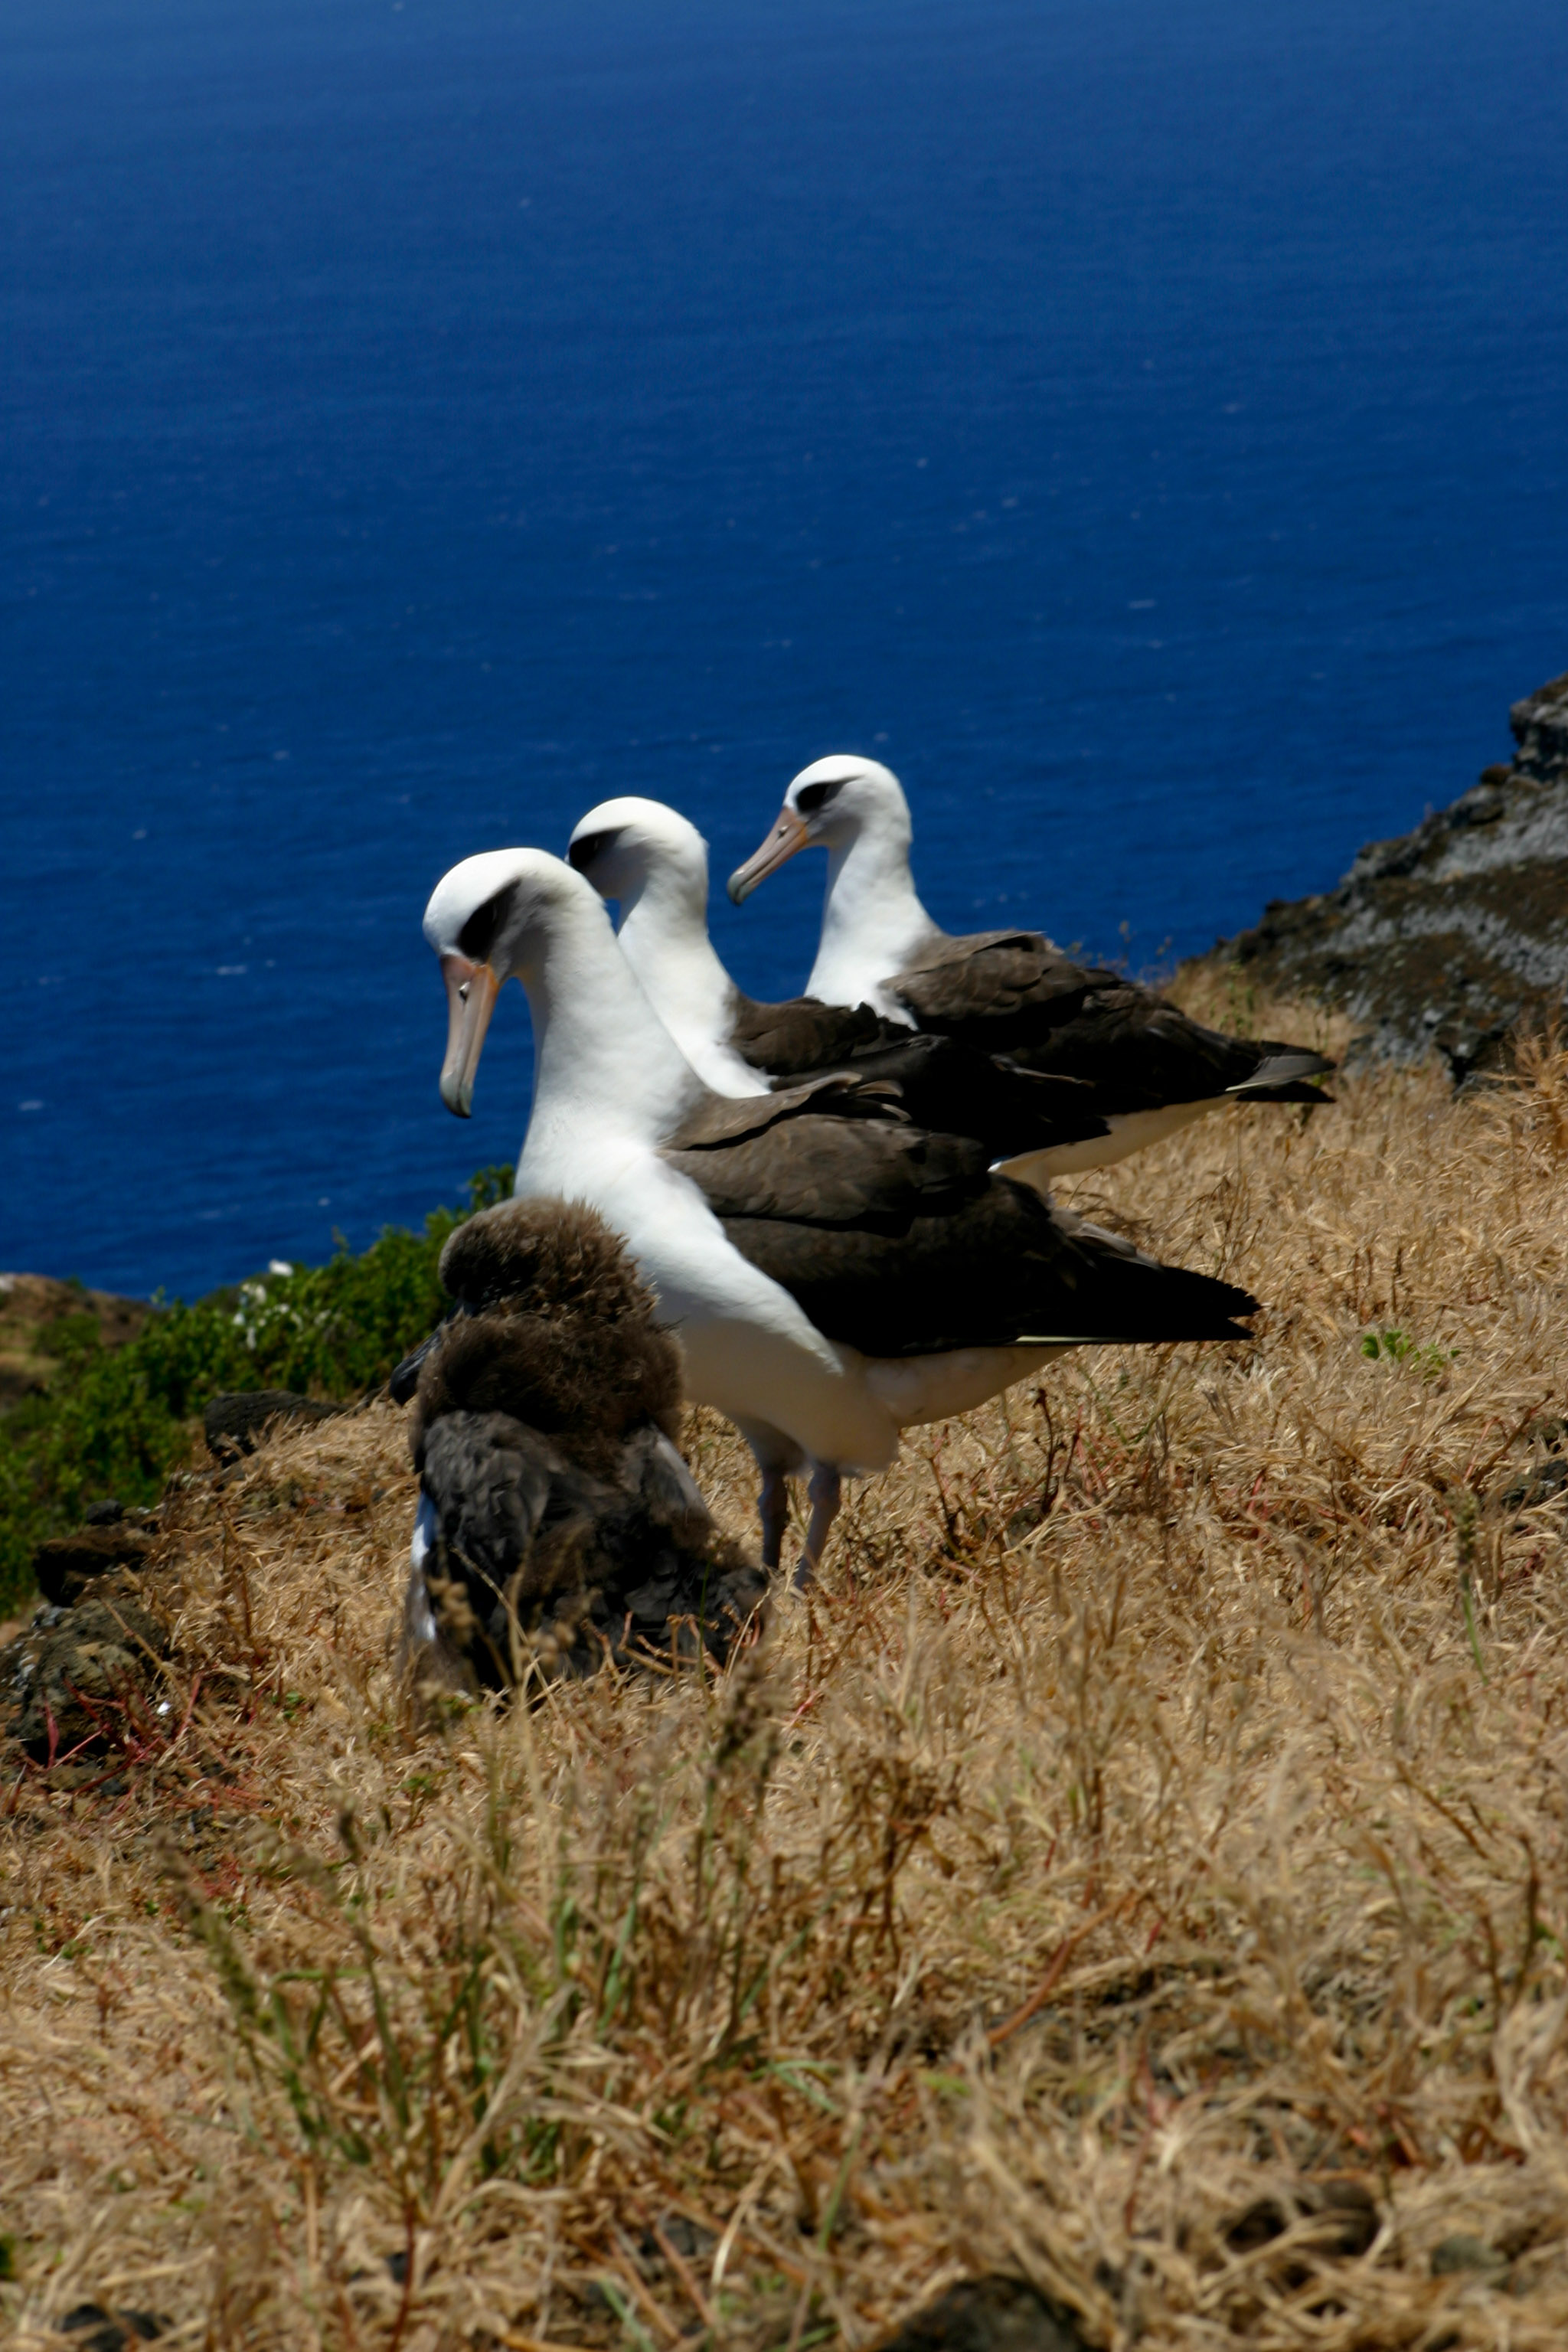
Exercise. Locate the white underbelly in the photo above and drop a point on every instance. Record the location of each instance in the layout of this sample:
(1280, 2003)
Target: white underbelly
(418, 1622)
(934, 1388)
(749, 1349)
(1131, 1132)
(755, 1376)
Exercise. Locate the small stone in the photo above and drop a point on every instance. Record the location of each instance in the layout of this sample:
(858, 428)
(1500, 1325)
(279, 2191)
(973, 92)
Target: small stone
(110, 2331)
(988, 2314)
(1338, 2209)
(1463, 2253)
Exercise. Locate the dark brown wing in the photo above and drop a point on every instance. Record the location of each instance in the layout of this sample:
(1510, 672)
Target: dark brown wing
(719, 1120)
(991, 1271)
(1140, 1053)
(803, 1035)
(994, 979)
(1012, 993)
(901, 1242)
(934, 1082)
(946, 1086)
(818, 1170)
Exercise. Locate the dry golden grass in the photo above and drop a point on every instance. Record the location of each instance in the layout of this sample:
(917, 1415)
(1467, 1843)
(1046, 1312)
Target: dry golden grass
(1159, 1810)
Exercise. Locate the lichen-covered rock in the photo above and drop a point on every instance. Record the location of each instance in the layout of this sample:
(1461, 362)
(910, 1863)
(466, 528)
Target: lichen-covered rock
(85, 1678)
(1453, 937)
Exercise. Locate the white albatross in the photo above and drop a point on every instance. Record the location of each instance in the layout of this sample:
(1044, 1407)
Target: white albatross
(834, 1273)
(653, 862)
(1150, 1068)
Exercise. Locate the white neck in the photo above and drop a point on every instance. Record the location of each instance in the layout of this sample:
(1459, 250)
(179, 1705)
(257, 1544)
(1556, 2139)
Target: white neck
(607, 1073)
(610, 1086)
(664, 937)
(872, 920)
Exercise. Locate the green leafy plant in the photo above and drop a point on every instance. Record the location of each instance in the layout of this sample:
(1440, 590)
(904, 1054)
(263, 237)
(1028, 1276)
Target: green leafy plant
(1395, 1346)
(115, 1422)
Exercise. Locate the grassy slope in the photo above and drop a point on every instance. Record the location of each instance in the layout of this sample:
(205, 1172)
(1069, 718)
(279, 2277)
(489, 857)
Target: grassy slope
(37, 1313)
(1159, 1803)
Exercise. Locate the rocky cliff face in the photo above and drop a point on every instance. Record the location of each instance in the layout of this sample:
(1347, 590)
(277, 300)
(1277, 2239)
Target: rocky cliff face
(1453, 936)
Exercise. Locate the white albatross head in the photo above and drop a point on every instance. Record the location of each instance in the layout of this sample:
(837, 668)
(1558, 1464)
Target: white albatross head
(624, 845)
(490, 918)
(832, 804)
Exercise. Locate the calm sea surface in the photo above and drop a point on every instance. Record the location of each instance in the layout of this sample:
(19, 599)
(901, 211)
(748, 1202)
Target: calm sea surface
(1141, 424)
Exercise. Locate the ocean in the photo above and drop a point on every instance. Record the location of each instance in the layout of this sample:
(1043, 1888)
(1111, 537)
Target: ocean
(1143, 426)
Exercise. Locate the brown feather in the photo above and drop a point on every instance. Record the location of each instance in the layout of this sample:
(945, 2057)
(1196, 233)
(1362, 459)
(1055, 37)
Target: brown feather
(566, 1526)
(1014, 992)
(803, 1035)
(584, 1383)
(719, 1120)
(543, 1256)
(816, 1169)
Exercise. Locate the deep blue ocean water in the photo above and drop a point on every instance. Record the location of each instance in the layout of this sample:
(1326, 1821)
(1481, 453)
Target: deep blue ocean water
(1142, 426)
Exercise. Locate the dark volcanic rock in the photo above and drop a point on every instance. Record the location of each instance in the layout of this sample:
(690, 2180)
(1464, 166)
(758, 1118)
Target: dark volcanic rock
(237, 1422)
(65, 1566)
(988, 2315)
(111, 2331)
(1453, 936)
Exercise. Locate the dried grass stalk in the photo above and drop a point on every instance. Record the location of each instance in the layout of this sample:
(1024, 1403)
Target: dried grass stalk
(1138, 1865)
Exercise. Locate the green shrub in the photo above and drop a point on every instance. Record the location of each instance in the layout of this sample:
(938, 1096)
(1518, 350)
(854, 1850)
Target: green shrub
(116, 1422)
(1399, 1348)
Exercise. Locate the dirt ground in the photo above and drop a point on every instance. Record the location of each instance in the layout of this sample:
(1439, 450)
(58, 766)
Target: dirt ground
(1139, 1867)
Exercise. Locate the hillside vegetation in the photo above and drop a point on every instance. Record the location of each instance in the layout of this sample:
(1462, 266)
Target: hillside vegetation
(1138, 1865)
(109, 1396)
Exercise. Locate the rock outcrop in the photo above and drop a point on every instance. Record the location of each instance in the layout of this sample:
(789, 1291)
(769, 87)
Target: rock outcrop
(85, 1679)
(1453, 938)
(240, 1419)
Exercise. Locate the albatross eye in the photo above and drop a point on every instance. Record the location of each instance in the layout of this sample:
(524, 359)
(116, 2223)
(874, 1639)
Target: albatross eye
(811, 797)
(586, 851)
(480, 933)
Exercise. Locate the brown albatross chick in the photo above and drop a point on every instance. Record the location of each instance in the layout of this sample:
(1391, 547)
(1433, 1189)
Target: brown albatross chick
(557, 1525)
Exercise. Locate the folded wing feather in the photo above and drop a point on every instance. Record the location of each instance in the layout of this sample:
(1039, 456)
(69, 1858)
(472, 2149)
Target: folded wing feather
(1014, 993)
(901, 1243)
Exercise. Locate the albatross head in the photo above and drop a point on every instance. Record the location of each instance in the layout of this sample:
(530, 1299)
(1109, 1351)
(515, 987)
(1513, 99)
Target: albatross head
(623, 846)
(830, 803)
(488, 919)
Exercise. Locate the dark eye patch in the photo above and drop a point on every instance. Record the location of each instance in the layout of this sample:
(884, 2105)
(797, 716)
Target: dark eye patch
(811, 797)
(484, 926)
(582, 854)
